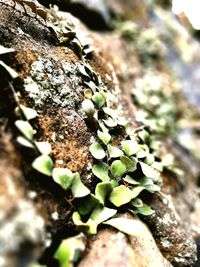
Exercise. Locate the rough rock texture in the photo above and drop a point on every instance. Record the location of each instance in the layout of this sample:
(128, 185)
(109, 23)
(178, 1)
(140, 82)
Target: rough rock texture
(18, 237)
(50, 81)
(110, 248)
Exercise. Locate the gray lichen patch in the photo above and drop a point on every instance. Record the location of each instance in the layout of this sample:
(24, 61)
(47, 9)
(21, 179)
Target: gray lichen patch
(61, 84)
(54, 83)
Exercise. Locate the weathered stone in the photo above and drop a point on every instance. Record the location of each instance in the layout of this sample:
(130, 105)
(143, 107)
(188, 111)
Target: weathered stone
(112, 248)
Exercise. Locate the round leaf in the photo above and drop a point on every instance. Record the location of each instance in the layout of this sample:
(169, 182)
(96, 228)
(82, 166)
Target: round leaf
(144, 135)
(43, 147)
(78, 188)
(24, 142)
(120, 195)
(114, 152)
(100, 214)
(144, 210)
(149, 159)
(101, 171)
(63, 177)
(69, 251)
(87, 204)
(99, 99)
(131, 164)
(25, 128)
(102, 190)
(152, 188)
(118, 168)
(149, 171)
(88, 107)
(29, 113)
(130, 180)
(97, 151)
(105, 137)
(136, 191)
(76, 218)
(43, 164)
(130, 147)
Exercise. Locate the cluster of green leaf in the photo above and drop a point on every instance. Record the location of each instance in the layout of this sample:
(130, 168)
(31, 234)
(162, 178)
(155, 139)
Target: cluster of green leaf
(156, 106)
(124, 170)
(67, 35)
(147, 43)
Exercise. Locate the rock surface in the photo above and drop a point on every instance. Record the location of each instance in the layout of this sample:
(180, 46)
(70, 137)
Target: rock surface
(111, 248)
(50, 81)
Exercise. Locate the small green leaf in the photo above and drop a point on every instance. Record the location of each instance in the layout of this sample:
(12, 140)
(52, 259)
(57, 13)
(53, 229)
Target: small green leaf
(88, 107)
(43, 164)
(29, 113)
(149, 171)
(146, 181)
(102, 190)
(89, 227)
(99, 99)
(130, 180)
(144, 135)
(24, 142)
(101, 171)
(118, 168)
(43, 147)
(141, 154)
(69, 251)
(103, 127)
(131, 164)
(120, 195)
(152, 188)
(25, 128)
(105, 137)
(97, 151)
(114, 152)
(136, 191)
(127, 226)
(63, 177)
(78, 188)
(144, 210)
(100, 214)
(87, 204)
(149, 159)
(130, 147)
